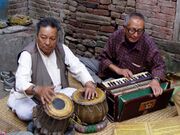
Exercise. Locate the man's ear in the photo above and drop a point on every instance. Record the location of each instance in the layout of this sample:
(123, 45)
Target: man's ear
(36, 37)
(124, 27)
(58, 37)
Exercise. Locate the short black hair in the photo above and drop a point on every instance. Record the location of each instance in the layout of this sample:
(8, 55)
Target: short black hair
(132, 15)
(48, 21)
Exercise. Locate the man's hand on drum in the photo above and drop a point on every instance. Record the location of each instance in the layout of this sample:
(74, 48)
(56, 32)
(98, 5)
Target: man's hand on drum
(90, 90)
(45, 93)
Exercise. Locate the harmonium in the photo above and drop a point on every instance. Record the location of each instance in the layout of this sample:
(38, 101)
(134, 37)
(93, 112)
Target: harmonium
(128, 98)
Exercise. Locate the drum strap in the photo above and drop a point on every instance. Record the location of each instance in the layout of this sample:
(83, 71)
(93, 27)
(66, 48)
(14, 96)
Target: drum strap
(90, 128)
(36, 100)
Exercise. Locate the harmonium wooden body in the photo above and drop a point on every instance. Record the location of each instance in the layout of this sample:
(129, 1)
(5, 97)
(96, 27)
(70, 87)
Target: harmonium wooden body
(128, 98)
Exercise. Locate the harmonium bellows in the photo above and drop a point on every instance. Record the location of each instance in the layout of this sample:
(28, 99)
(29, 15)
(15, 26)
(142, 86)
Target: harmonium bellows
(128, 98)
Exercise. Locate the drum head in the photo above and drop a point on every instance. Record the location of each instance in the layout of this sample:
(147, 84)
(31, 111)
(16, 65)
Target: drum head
(78, 97)
(61, 107)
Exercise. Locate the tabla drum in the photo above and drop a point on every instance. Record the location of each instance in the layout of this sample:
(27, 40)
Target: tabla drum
(90, 111)
(53, 118)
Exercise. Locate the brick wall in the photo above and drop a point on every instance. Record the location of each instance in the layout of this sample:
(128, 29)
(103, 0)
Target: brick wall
(88, 23)
(160, 16)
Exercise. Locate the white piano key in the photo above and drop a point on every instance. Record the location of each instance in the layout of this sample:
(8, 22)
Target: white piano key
(123, 80)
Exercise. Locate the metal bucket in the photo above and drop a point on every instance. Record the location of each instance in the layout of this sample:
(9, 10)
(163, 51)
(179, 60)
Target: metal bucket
(4, 9)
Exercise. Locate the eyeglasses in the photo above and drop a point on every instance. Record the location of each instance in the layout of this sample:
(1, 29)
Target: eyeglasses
(133, 30)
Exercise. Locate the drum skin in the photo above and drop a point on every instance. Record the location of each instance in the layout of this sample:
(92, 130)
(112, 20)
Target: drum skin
(53, 119)
(90, 111)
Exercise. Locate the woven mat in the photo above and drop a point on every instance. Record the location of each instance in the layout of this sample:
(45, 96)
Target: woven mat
(168, 112)
(74, 83)
(8, 120)
(159, 115)
(169, 126)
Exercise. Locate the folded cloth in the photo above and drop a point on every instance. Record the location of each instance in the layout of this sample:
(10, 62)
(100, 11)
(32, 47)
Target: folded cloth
(19, 133)
(67, 91)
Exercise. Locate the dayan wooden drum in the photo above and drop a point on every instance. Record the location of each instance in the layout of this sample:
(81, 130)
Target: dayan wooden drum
(53, 118)
(90, 111)
(90, 114)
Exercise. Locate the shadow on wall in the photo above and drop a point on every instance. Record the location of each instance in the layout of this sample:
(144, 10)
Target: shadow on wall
(172, 62)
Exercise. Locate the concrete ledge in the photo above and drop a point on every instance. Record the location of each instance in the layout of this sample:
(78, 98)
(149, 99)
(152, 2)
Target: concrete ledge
(11, 45)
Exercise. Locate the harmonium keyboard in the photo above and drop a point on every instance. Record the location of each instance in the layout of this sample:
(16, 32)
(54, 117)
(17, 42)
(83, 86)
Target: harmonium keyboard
(128, 98)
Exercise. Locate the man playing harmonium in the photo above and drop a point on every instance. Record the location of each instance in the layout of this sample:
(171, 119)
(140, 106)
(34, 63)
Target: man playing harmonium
(129, 51)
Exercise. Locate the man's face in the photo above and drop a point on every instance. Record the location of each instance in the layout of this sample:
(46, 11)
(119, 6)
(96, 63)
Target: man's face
(134, 29)
(47, 39)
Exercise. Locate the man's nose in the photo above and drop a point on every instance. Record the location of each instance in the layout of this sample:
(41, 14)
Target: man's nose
(136, 34)
(47, 41)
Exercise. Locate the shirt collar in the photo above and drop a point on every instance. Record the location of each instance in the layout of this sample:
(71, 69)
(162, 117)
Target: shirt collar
(42, 54)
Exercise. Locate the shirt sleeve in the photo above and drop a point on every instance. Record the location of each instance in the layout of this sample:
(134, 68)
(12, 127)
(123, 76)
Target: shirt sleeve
(77, 69)
(156, 61)
(106, 55)
(23, 73)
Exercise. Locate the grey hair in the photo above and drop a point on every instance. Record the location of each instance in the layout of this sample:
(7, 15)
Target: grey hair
(50, 21)
(133, 15)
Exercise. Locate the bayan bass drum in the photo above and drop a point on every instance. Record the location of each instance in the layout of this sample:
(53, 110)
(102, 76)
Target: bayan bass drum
(53, 118)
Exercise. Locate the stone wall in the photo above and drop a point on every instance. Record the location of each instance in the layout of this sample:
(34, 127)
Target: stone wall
(88, 23)
(10, 45)
(18, 7)
(44, 8)
(160, 17)
(170, 52)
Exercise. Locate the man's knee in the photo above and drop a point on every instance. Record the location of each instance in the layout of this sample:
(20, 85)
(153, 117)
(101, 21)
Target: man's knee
(24, 113)
(176, 96)
(24, 116)
(90, 63)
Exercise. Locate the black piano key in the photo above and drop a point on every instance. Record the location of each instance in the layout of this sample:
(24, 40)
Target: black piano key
(124, 81)
(114, 83)
(109, 84)
(119, 82)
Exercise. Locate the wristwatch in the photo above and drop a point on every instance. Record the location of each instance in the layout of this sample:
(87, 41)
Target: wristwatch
(157, 79)
(91, 84)
(33, 90)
